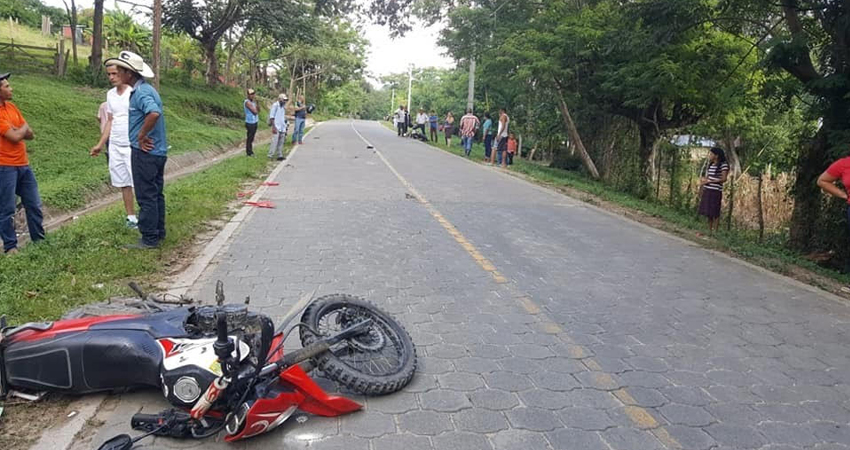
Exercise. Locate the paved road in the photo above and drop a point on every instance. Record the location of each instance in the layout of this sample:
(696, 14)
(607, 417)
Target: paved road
(541, 323)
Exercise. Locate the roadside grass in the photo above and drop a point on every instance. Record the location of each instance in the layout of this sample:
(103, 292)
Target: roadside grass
(24, 35)
(84, 262)
(63, 117)
(770, 254)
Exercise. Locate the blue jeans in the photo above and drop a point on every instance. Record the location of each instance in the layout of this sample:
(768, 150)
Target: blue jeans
(19, 182)
(467, 144)
(298, 132)
(148, 183)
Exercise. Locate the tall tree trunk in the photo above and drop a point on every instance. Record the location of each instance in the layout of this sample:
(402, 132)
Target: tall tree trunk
(156, 36)
(648, 138)
(96, 57)
(574, 136)
(209, 47)
(760, 206)
(72, 22)
(731, 203)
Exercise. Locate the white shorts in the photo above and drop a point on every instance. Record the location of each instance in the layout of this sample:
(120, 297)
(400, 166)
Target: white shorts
(120, 170)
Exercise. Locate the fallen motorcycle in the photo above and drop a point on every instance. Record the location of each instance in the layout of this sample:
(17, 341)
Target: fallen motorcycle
(222, 367)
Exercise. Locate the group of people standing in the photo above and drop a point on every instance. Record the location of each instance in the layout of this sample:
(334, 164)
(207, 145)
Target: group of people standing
(278, 121)
(133, 132)
(497, 133)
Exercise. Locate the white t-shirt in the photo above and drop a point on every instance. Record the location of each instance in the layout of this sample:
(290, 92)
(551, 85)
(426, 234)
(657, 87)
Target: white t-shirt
(421, 118)
(278, 115)
(118, 106)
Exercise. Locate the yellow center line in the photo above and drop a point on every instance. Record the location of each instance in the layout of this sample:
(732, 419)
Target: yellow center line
(601, 380)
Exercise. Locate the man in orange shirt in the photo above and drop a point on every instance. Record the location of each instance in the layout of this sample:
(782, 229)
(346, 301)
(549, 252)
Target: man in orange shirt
(16, 177)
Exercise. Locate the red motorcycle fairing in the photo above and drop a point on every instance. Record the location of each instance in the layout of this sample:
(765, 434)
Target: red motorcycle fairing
(64, 326)
(296, 390)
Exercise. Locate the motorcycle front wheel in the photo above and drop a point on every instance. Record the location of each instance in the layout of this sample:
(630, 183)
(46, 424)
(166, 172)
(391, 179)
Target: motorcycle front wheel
(378, 362)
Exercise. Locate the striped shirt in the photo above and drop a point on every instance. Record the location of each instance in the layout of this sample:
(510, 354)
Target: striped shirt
(715, 173)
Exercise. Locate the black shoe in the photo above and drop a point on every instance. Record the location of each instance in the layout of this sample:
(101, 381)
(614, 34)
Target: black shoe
(141, 246)
(280, 158)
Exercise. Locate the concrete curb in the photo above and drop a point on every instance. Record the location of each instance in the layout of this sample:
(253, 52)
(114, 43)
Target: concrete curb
(62, 436)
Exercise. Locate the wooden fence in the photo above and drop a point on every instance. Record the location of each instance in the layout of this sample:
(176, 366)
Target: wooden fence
(29, 58)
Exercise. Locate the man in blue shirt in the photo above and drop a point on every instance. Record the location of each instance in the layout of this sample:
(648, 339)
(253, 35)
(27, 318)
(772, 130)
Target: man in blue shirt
(300, 119)
(148, 147)
(251, 120)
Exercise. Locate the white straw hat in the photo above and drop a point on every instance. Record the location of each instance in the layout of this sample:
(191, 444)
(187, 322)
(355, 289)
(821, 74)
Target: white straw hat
(132, 61)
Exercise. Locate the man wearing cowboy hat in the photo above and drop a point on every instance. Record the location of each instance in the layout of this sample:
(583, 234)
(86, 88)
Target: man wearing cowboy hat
(16, 177)
(277, 120)
(148, 146)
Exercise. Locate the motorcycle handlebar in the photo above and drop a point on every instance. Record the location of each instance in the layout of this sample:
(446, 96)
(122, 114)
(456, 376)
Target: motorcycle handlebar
(221, 327)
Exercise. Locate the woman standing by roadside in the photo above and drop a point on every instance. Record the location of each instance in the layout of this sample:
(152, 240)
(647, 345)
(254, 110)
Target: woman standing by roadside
(712, 187)
(449, 128)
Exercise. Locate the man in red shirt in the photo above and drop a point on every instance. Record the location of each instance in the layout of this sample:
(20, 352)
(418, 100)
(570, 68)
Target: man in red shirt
(16, 177)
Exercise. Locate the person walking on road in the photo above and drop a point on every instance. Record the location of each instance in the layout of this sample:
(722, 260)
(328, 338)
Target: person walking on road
(487, 131)
(148, 146)
(16, 177)
(251, 120)
(502, 136)
(114, 135)
(712, 187)
(468, 127)
(449, 128)
(300, 121)
(277, 120)
(433, 119)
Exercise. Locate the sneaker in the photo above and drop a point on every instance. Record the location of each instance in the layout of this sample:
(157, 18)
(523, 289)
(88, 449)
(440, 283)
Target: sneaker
(280, 158)
(132, 225)
(141, 246)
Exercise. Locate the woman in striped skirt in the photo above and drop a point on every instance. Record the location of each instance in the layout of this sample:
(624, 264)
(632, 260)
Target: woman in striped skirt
(712, 187)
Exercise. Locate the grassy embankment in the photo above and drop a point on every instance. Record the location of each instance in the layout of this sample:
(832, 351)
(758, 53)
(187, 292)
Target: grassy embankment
(84, 262)
(770, 254)
(63, 117)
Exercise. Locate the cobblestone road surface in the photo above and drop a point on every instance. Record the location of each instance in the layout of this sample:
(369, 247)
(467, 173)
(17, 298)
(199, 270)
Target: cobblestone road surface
(605, 335)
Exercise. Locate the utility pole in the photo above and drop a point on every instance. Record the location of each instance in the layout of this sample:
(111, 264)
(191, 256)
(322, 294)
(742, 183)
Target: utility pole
(157, 37)
(409, 85)
(392, 102)
(470, 98)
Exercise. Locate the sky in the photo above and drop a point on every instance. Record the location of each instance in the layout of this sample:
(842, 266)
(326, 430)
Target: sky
(385, 56)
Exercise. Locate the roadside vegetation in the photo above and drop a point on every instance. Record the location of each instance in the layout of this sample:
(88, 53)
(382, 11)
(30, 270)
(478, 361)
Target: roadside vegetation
(84, 261)
(63, 115)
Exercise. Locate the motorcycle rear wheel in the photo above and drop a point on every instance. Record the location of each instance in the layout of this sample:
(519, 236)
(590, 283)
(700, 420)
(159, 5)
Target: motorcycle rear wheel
(379, 362)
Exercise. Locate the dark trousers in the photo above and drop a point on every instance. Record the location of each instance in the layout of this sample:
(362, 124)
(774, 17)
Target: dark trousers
(434, 134)
(148, 171)
(249, 141)
(488, 146)
(420, 126)
(400, 127)
(19, 181)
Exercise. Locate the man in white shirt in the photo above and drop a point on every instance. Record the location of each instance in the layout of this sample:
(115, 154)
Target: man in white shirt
(421, 120)
(116, 132)
(399, 120)
(277, 120)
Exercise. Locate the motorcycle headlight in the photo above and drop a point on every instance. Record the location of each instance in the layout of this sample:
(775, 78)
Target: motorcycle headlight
(187, 389)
